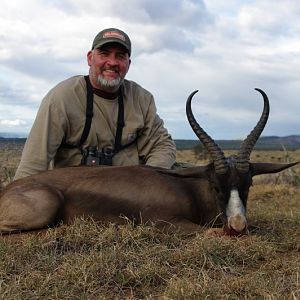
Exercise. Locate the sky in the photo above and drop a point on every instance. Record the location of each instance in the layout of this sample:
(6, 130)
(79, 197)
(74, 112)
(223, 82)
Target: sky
(224, 49)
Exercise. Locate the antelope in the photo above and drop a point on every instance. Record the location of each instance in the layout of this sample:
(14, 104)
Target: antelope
(180, 199)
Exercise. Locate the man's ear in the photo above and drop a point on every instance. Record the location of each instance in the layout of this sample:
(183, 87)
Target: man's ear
(89, 57)
(129, 63)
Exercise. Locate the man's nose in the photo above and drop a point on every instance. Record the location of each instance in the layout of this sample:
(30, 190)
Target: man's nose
(112, 60)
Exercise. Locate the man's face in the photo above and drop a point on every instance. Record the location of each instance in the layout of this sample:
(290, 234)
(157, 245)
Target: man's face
(108, 66)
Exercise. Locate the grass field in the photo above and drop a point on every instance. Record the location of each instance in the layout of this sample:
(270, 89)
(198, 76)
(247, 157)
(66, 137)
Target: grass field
(92, 261)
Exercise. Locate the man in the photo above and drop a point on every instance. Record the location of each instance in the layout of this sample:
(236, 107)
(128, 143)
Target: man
(101, 110)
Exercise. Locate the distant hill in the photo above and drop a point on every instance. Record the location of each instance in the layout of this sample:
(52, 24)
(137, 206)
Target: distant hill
(10, 135)
(290, 142)
(4, 140)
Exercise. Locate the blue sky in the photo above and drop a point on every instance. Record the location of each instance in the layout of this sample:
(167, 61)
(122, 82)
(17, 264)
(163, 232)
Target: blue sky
(224, 49)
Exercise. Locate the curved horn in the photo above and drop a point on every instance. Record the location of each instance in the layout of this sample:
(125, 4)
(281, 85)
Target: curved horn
(211, 147)
(248, 144)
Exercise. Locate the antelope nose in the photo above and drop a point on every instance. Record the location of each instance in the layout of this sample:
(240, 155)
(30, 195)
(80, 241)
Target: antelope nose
(236, 212)
(237, 223)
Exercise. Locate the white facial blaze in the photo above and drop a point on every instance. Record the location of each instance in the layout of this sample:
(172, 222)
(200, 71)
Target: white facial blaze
(236, 212)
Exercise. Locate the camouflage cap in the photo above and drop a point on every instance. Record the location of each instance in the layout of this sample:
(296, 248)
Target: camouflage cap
(112, 35)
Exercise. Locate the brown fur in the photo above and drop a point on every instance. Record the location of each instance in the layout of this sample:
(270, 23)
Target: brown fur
(141, 194)
(178, 199)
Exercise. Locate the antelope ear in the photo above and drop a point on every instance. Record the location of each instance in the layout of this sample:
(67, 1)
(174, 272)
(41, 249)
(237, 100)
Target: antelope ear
(267, 168)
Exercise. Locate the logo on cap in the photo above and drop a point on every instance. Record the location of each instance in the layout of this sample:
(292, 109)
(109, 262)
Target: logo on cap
(114, 34)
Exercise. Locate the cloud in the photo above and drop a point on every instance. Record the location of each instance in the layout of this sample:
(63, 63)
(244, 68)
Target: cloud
(260, 20)
(184, 14)
(222, 48)
(16, 122)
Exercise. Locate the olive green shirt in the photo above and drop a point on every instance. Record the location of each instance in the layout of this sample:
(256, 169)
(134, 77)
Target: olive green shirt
(61, 117)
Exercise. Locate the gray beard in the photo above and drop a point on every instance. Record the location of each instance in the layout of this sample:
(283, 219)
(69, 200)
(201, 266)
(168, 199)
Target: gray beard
(111, 84)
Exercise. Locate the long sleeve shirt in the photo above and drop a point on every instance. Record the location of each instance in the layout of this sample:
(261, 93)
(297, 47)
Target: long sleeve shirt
(61, 117)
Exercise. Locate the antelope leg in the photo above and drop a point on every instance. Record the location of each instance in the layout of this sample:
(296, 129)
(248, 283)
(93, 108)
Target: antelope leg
(29, 208)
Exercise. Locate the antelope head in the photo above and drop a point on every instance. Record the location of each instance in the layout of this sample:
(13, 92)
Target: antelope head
(232, 176)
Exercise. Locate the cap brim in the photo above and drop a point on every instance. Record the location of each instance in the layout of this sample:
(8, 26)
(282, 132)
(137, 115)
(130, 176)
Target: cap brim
(110, 41)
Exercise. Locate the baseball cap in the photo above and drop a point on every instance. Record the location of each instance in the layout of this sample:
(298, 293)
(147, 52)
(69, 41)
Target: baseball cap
(112, 35)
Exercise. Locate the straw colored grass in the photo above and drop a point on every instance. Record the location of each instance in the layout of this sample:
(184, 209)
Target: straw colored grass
(88, 260)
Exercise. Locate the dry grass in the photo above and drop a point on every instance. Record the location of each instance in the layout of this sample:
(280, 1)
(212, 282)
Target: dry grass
(92, 261)
(10, 154)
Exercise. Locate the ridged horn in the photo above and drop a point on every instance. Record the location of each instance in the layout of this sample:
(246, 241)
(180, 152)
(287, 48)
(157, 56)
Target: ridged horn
(211, 147)
(243, 156)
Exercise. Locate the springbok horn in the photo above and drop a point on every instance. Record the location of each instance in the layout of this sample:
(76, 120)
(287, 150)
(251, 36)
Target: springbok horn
(248, 144)
(211, 147)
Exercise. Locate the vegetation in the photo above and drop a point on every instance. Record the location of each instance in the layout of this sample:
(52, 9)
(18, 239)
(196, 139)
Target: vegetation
(10, 154)
(88, 260)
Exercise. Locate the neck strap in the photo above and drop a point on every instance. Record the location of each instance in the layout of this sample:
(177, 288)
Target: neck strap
(120, 122)
(89, 116)
(89, 111)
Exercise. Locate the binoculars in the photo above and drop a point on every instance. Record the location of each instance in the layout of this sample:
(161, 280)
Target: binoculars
(93, 156)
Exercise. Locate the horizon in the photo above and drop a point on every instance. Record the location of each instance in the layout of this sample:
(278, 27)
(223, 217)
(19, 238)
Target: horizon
(20, 135)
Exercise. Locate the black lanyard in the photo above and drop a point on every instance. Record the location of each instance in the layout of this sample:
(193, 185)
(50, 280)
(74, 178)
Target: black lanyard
(89, 116)
(89, 111)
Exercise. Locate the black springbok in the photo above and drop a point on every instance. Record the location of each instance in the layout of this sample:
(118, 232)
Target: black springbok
(180, 199)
